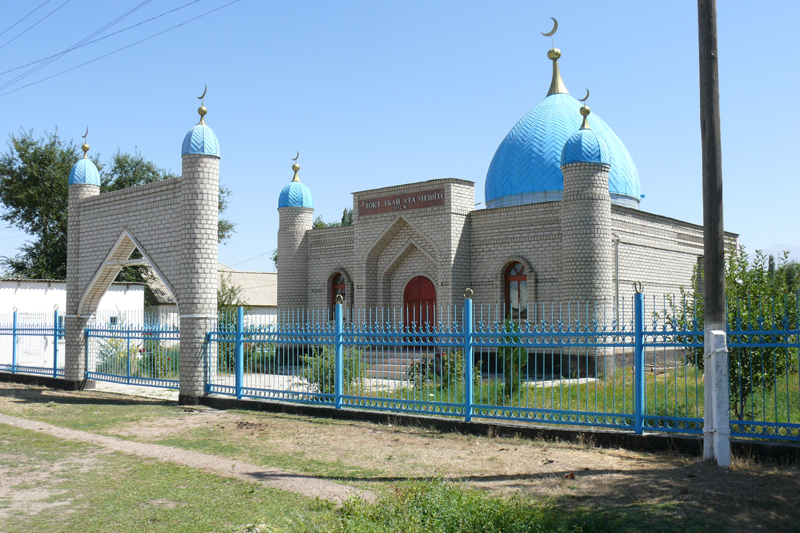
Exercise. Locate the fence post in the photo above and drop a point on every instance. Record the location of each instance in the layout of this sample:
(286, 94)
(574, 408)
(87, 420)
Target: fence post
(14, 343)
(128, 351)
(638, 364)
(468, 359)
(55, 342)
(239, 354)
(339, 361)
(717, 415)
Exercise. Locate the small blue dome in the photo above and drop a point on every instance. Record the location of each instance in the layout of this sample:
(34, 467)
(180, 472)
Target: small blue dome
(84, 172)
(200, 140)
(526, 168)
(584, 146)
(295, 194)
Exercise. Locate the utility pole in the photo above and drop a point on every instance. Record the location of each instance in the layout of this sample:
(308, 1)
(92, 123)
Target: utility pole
(717, 407)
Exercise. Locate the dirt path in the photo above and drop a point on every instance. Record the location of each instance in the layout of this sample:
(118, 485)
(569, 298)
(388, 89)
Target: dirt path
(269, 477)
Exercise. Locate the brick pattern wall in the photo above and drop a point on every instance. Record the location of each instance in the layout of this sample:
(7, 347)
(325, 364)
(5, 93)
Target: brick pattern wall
(586, 261)
(174, 224)
(293, 256)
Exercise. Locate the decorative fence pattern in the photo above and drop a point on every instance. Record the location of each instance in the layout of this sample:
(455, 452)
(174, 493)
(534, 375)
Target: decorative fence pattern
(636, 367)
(32, 343)
(133, 348)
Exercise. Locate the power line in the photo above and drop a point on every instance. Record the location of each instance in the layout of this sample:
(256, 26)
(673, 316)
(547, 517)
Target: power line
(36, 23)
(93, 34)
(101, 38)
(26, 16)
(246, 260)
(119, 49)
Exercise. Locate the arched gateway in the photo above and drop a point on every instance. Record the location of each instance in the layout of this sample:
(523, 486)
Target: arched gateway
(173, 223)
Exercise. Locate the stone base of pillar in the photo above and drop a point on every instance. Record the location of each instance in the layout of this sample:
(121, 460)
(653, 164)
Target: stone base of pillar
(50, 382)
(183, 399)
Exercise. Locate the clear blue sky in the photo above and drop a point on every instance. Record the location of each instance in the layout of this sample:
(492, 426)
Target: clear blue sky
(382, 93)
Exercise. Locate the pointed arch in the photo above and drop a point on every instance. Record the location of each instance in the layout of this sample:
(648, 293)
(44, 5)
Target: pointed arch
(116, 259)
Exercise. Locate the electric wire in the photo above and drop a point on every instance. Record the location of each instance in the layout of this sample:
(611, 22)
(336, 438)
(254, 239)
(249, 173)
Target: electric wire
(26, 16)
(118, 49)
(254, 257)
(61, 54)
(34, 24)
(102, 38)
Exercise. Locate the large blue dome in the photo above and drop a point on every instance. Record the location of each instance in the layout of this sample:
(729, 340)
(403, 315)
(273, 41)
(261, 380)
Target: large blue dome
(200, 140)
(295, 194)
(526, 168)
(84, 172)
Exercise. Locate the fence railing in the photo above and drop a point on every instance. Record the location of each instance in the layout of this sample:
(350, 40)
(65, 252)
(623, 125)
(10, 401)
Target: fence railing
(32, 343)
(133, 348)
(637, 366)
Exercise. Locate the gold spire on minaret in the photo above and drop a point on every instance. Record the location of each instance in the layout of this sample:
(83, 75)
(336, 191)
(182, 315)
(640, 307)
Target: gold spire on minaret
(585, 111)
(296, 167)
(85, 146)
(202, 111)
(556, 84)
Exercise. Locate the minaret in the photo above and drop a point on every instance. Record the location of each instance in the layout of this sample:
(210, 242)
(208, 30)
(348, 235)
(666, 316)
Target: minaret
(197, 286)
(586, 262)
(296, 217)
(84, 182)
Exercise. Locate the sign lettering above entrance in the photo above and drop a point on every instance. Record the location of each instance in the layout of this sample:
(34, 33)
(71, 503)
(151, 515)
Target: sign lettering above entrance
(401, 202)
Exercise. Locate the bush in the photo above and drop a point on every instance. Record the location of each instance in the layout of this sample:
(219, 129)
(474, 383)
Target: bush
(319, 370)
(442, 370)
(157, 361)
(512, 359)
(112, 357)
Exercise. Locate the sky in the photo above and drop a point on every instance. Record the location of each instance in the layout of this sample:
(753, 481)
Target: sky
(374, 94)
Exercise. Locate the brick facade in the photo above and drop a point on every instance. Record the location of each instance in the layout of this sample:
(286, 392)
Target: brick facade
(568, 247)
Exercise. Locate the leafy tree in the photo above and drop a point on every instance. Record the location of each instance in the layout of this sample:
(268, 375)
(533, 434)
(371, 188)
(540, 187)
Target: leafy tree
(34, 194)
(761, 296)
(347, 220)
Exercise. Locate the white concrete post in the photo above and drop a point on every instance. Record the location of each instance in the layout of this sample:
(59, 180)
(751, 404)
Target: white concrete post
(717, 417)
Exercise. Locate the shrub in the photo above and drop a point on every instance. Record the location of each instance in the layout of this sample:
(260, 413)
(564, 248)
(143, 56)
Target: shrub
(319, 370)
(442, 370)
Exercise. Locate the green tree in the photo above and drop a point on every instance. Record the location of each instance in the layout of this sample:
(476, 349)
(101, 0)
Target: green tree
(34, 194)
(761, 296)
(347, 220)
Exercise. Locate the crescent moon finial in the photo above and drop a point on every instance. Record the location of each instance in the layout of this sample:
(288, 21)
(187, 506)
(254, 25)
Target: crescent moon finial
(298, 156)
(585, 97)
(554, 30)
(85, 146)
(87, 133)
(204, 92)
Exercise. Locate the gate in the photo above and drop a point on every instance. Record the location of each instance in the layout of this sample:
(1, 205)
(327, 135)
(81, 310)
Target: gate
(133, 349)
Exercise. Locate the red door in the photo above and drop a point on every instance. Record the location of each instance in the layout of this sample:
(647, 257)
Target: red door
(419, 301)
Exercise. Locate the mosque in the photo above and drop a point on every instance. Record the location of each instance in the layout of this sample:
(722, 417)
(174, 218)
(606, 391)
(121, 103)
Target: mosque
(562, 223)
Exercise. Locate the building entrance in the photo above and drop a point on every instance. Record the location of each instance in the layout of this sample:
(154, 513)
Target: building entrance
(419, 301)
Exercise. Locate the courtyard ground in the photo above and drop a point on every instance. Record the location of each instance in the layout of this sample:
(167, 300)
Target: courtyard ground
(92, 436)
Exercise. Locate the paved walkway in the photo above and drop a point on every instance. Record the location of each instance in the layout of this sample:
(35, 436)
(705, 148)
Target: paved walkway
(269, 477)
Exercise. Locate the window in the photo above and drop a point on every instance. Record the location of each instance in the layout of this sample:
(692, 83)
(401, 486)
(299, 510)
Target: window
(338, 286)
(516, 285)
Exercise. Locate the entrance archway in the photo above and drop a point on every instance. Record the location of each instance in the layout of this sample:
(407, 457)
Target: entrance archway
(419, 302)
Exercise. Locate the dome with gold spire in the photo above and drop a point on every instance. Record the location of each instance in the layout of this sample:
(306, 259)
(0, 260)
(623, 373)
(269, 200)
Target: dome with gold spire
(526, 168)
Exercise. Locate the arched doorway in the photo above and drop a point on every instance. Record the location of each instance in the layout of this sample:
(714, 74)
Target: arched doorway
(419, 301)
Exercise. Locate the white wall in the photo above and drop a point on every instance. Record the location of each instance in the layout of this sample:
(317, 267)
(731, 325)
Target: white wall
(40, 297)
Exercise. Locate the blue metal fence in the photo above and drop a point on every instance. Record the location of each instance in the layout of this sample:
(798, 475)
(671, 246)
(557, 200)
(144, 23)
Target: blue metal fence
(32, 343)
(630, 367)
(636, 367)
(134, 349)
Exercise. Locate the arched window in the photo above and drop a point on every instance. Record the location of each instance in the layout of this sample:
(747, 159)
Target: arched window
(338, 286)
(516, 285)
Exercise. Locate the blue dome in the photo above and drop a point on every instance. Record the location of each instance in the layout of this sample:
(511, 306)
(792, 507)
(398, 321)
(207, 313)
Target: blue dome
(200, 140)
(584, 146)
(295, 194)
(526, 168)
(84, 172)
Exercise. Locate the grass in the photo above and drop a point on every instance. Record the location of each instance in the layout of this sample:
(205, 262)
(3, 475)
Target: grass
(120, 493)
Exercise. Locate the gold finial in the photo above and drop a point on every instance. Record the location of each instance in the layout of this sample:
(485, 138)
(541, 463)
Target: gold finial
(296, 167)
(556, 84)
(585, 111)
(85, 146)
(202, 109)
